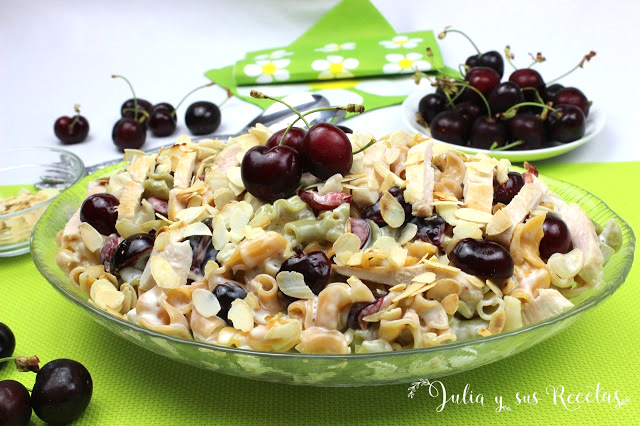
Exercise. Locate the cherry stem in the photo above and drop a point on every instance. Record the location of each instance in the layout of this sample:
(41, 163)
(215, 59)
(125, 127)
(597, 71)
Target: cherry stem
(229, 96)
(509, 56)
(135, 99)
(447, 30)
(142, 112)
(260, 95)
(371, 142)
(76, 107)
(468, 86)
(586, 58)
(358, 109)
(507, 113)
(503, 148)
(189, 94)
(536, 59)
(536, 92)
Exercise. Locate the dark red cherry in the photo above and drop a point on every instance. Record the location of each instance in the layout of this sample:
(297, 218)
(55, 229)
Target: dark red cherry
(572, 96)
(163, 120)
(271, 173)
(528, 128)
(361, 228)
(7, 341)
(505, 192)
(62, 391)
(314, 266)
(132, 249)
(326, 151)
(556, 239)
(202, 117)
(323, 201)
(550, 92)
(359, 310)
(504, 96)
(486, 131)
(100, 211)
(373, 213)
(293, 138)
(567, 125)
(71, 130)
(226, 293)
(450, 126)
(108, 249)
(528, 78)
(484, 79)
(470, 111)
(345, 129)
(15, 405)
(491, 59)
(128, 134)
(127, 109)
(430, 230)
(431, 105)
(484, 259)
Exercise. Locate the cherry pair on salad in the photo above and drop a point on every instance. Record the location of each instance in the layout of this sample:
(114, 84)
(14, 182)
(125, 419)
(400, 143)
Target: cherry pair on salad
(273, 170)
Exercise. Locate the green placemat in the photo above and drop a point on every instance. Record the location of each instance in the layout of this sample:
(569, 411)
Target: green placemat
(134, 386)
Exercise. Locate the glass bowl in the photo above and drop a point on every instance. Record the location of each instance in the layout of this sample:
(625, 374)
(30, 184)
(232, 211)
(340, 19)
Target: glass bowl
(336, 370)
(32, 169)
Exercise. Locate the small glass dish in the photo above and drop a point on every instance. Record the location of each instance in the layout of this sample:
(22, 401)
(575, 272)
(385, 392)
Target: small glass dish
(43, 171)
(336, 370)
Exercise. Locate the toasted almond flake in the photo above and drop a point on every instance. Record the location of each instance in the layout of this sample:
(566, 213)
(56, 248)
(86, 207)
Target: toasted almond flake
(391, 155)
(198, 228)
(442, 267)
(444, 196)
(237, 190)
(355, 259)
(502, 171)
(98, 285)
(242, 213)
(408, 291)
(205, 302)
(252, 301)
(484, 332)
(466, 230)
(398, 287)
(347, 243)
(448, 213)
(473, 215)
(220, 236)
(450, 303)
(447, 203)
(349, 186)
(284, 332)
(292, 284)
(391, 210)
(235, 177)
(422, 289)
(397, 256)
(209, 268)
(385, 244)
(223, 196)
(494, 287)
(183, 140)
(393, 314)
(380, 168)
(475, 281)
(109, 298)
(162, 239)
(333, 184)
(163, 273)
(425, 278)
(251, 232)
(408, 232)
(90, 237)
(191, 214)
(241, 315)
(377, 316)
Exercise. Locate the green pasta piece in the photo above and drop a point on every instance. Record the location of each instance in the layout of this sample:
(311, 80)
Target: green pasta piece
(157, 185)
(329, 226)
(282, 212)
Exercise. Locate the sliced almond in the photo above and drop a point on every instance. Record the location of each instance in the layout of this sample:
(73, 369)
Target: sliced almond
(391, 210)
(346, 245)
(252, 301)
(408, 232)
(109, 298)
(220, 236)
(197, 228)
(190, 214)
(284, 332)
(163, 273)
(90, 237)
(425, 278)
(450, 303)
(183, 140)
(222, 197)
(377, 316)
(444, 196)
(473, 215)
(355, 259)
(205, 302)
(235, 176)
(242, 213)
(385, 244)
(241, 315)
(292, 284)
(251, 232)
(392, 315)
(398, 287)
(407, 292)
(162, 239)
(98, 285)
(397, 256)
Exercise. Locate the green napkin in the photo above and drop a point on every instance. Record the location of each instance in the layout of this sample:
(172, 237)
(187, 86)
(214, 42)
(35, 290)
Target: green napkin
(351, 48)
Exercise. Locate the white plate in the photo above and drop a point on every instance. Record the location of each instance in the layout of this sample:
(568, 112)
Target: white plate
(595, 123)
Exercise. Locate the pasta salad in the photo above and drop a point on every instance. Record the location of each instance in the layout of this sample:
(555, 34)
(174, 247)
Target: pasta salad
(418, 245)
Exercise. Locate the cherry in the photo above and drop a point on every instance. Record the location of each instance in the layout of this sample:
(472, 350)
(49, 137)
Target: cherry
(529, 129)
(556, 239)
(128, 134)
(162, 121)
(7, 341)
(484, 259)
(504, 96)
(431, 105)
(470, 111)
(71, 130)
(226, 293)
(567, 125)
(15, 406)
(491, 59)
(482, 78)
(202, 117)
(292, 139)
(326, 151)
(361, 228)
(314, 266)
(373, 213)
(528, 78)
(430, 230)
(572, 96)
(359, 310)
(131, 250)
(62, 391)
(450, 126)
(202, 251)
(107, 251)
(345, 129)
(271, 173)
(505, 192)
(128, 107)
(550, 92)
(99, 210)
(323, 201)
(487, 132)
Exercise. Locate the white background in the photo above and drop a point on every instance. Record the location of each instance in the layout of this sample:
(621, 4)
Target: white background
(54, 54)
